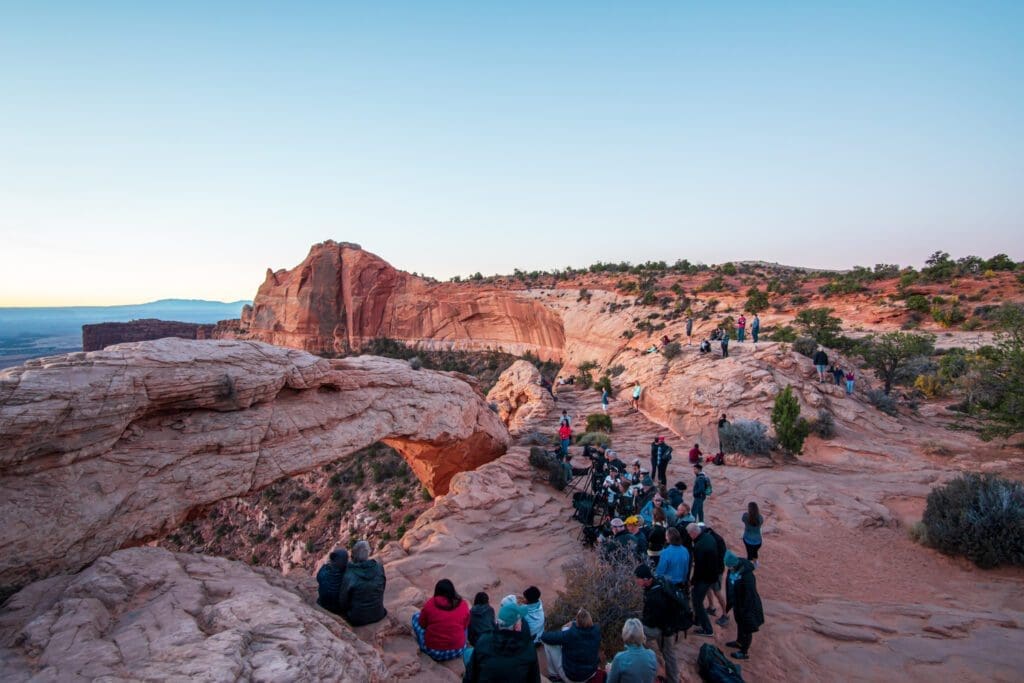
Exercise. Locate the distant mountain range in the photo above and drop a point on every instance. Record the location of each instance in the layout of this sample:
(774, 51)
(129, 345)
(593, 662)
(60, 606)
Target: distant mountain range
(32, 332)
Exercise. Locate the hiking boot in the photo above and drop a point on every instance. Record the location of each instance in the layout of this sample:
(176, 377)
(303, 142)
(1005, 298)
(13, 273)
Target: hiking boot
(733, 643)
(722, 620)
(740, 655)
(707, 634)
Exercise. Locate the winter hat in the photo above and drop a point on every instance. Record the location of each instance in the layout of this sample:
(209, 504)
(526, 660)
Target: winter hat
(731, 560)
(618, 522)
(643, 572)
(508, 613)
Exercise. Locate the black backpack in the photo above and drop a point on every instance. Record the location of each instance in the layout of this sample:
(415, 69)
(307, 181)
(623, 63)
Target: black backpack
(714, 667)
(719, 458)
(680, 616)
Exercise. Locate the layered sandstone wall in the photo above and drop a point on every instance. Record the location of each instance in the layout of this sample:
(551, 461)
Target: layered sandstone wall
(101, 335)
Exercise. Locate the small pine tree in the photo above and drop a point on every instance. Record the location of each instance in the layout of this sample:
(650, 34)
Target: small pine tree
(790, 428)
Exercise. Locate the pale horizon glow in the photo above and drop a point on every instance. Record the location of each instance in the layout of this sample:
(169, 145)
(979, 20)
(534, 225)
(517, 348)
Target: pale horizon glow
(152, 151)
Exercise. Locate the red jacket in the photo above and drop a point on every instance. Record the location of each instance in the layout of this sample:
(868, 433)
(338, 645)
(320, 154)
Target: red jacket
(445, 628)
(695, 455)
(564, 432)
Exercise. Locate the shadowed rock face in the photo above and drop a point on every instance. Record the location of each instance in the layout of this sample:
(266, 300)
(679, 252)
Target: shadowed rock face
(102, 335)
(340, 297)
(149, 614)
(110, 448)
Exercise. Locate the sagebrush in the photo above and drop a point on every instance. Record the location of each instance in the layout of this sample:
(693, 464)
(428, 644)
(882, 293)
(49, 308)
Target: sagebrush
(748, 437)
(980, 516)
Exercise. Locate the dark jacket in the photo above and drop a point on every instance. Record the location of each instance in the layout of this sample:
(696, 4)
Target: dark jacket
(656, 539)
(657, 607)
(675, 497)
(820, 358)
(328, 581)
(481, 621)
(361, 598)
(720, 549)
(700, 486)
(503, 656)
(742, 598)
(705, 559)
(579, 650)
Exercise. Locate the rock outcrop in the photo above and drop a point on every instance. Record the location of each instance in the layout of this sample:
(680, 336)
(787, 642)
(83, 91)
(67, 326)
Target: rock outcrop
(101, 335)
(341, 297)
(109, 448)
(146, 614)
(522, 403)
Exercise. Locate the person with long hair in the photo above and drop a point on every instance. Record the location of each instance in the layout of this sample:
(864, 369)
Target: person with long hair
(440, 626)
(752, 523)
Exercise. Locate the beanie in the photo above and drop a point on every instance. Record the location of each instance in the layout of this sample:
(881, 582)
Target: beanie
(731, 560)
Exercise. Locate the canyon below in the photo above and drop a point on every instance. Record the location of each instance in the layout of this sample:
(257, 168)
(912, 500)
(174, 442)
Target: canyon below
(167, 501)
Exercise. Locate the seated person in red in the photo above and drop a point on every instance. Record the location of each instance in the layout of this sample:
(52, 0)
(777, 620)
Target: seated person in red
(695, 455)
(440, 627)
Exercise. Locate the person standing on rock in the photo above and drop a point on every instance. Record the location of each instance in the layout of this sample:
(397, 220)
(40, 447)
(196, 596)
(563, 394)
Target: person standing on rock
(329, 579)
(689, 329)
(745, 603)
(741, 328)
(701, 490)
(637, 390)
(565, 420)
(661, 455)
(564, 436)
(705, 575)
(725, 344)
(361, 597)
(755, 327)
(752, 523)
(850, 377)
(820, 360)
(604, 400)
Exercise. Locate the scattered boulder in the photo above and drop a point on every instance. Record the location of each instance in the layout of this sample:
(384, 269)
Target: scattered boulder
(522, 403)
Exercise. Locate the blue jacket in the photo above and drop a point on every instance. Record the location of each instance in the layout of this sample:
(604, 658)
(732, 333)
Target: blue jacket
(674, 564)
(647, 513)
(579, 649)
(635, 664)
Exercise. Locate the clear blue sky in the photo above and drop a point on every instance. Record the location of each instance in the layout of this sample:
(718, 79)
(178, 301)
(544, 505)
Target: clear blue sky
(153, 150)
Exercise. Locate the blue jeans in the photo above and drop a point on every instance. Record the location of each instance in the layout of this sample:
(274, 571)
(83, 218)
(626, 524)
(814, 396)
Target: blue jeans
(698, 509)
(741, 333)
(753, 333)
(565, 446)
(849, 387)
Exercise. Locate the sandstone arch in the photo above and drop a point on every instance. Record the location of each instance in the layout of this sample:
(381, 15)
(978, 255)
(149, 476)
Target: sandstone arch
(106, 449)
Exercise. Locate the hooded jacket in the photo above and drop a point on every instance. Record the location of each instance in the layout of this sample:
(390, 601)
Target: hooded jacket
(445, 628)
(533, 617)
(742, 597)
(481, 621)
(361, 598)
(705, 559)
(503, 656)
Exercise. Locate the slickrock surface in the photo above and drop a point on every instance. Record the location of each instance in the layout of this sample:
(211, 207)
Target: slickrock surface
(149, 614)
(522, 403)
(112, 447)
(341, 296)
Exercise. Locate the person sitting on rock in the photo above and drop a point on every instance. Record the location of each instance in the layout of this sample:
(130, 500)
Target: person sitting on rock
(533, 612)
(507, 653)
(705, 346)
(481, 617)
(361, 598)
(695, 455)
(440, 626)
(328, 581)
(572, 651)
(635, 664)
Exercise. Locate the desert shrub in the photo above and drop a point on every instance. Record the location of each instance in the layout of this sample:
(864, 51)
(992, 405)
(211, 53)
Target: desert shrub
(415, 363)
(616, 370)
(783, 334)
(936, 448)
(820, 324)
(805, 346)
(882, 401)
(929, 385)
(748, 437)
(671, 350)
(971, 324)
(918, 303)
(824, 425)
(790, 428)
(609, 593)
(594, 439)
(604, 383)
(980, 517)
(599, 422)
(947, 317)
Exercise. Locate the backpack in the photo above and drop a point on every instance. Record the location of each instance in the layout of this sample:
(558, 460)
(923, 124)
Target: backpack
(714, 667)
(707, 485)
(719, 459)
(681, 616)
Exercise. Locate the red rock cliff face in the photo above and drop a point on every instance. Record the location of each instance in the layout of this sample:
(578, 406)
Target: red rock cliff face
(340, 297)
(101, 335)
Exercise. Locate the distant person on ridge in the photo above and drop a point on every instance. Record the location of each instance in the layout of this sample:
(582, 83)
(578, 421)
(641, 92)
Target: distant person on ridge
(849, 382)
(755, 327)
(820, 360)
(329, 579)
(637, 390)
(701, 490)
(604, 400)
(725, 344)
(361, 597)
(705, 346)
(564, 420)
(741, 328)
(689, 329)
(564, 436)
